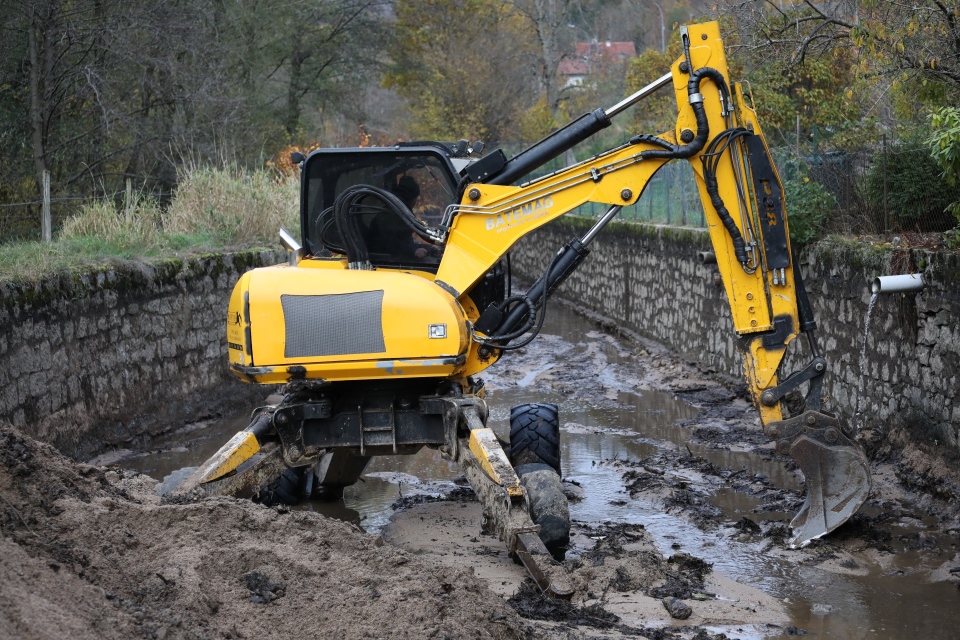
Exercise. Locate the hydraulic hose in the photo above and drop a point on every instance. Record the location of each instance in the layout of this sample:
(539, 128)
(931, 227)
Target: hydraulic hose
(668, 150)
(348, 209)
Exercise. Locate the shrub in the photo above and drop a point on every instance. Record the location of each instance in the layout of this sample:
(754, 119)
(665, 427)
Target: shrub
(134, 229)
(916, 195)
(809, 206)
(944, 144)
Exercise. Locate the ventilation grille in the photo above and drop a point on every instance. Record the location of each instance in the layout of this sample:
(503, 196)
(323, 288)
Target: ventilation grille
(333, 325)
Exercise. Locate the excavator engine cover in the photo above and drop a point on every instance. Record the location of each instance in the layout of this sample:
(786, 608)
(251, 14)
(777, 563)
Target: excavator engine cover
(320, 321)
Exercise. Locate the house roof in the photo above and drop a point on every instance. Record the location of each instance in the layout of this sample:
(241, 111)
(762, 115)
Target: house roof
(589, 54)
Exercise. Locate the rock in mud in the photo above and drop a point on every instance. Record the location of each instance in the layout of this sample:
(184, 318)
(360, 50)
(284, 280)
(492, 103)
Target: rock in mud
(677, 608)
(263, 588)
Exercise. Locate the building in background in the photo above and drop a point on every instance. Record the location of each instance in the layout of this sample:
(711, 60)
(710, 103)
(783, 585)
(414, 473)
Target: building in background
(593, 57)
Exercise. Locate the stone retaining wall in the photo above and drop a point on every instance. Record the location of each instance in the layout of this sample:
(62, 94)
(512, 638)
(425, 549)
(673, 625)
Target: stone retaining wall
(104, 359)
(112, 357)
(648, 279)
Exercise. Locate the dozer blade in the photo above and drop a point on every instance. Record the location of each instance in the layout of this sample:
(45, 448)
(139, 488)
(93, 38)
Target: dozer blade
(838, 482)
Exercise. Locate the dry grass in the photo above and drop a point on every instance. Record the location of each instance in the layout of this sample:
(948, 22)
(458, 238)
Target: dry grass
(235, 206)
(212, 209)
(138, 227)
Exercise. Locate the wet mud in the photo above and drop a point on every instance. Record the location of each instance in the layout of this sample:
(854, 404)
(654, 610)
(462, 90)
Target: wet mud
(92, 552)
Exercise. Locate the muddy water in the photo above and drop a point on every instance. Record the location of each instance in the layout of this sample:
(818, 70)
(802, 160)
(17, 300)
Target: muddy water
(894, 600)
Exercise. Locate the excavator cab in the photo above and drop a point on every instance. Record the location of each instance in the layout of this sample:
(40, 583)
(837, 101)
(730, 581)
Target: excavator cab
(421, 176)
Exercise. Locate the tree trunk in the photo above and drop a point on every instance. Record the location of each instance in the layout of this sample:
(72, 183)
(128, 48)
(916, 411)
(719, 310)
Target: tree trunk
(546, 21)
(292, 120)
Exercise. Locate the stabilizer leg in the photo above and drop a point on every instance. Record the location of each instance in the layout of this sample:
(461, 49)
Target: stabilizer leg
(505, 506)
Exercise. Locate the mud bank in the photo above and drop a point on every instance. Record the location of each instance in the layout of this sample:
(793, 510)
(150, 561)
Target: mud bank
(92, 553)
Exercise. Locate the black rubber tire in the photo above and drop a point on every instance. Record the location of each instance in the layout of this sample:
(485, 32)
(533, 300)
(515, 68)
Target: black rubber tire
(548, 506)
(535, 435)
(535, 455)
(286, 489)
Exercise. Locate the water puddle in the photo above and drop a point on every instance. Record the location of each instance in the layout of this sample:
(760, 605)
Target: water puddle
(894, 600)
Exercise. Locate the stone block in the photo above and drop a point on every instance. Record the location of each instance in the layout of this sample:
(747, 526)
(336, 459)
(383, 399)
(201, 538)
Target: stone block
(168, 348)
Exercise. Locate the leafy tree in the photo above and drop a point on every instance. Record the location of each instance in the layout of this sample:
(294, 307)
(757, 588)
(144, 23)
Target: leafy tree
(944, 144)
(658, 113)
(97, 91)
(912, 46)
(464, 68)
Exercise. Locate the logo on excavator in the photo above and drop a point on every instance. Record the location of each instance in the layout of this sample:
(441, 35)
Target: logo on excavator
(528, 210)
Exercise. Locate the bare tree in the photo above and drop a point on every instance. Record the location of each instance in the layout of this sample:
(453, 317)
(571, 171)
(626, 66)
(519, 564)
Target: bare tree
(887, 37)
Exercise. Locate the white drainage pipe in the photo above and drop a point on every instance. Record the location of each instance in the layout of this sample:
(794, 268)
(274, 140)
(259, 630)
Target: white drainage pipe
(706, 257)
(898, 284)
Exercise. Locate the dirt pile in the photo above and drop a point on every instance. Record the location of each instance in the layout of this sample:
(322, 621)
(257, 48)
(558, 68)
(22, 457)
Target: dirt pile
(89, 553)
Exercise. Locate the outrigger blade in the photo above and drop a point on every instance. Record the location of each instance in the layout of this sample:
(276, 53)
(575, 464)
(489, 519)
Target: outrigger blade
(838, 482)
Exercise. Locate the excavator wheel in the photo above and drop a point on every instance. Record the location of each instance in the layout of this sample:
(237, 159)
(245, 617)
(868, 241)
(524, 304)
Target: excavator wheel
(535, 455)
(285, 490)
(535, 435)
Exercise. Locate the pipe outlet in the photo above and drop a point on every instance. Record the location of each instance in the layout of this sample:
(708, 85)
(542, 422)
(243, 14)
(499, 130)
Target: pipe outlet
(898, 284)
(706, 257)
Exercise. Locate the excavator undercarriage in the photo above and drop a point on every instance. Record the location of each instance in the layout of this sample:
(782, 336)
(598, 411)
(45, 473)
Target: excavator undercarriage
(397, 298)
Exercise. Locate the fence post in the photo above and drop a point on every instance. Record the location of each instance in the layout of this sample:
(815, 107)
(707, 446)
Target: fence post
(46, 224)
(798, 140)
(129, 202)
(886, 214)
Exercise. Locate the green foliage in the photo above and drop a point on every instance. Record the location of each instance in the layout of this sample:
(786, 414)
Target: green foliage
(951, 238)
(821, 91)
(809, 206)
(658, 113)
(944, 144)
(915, 196)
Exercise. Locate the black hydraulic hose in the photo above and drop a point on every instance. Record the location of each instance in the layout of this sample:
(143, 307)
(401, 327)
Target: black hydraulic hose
(348, 229)
(519, 318)
(668, 150)
(348, 210)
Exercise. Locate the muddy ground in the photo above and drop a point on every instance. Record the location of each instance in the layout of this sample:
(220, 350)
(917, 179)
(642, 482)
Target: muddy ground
(93, 552)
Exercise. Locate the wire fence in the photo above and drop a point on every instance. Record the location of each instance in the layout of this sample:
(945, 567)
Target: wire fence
(889, 187)
(23, 220)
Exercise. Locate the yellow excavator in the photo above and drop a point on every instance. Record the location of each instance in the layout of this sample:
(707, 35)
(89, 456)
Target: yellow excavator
(394, 300)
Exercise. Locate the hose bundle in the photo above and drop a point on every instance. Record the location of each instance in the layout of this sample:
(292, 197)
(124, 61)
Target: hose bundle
(671, 151)
(355, 202)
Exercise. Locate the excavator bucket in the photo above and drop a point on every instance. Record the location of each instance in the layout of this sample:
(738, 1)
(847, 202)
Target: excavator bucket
(838, 482)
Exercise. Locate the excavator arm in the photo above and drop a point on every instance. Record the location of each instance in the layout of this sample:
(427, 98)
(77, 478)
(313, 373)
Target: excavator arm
(718, 133)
